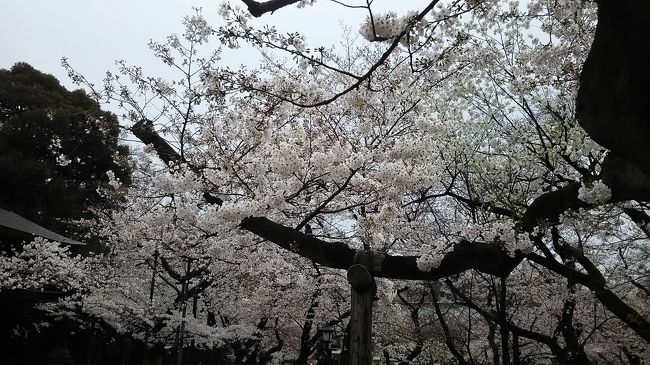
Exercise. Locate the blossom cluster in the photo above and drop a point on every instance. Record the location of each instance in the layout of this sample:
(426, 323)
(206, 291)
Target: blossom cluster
(42, 265)
(431, 258)
(595, 193)
(385, 26)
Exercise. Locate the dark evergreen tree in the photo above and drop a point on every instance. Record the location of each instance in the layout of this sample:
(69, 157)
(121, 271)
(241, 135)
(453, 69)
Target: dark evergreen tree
(56, 150)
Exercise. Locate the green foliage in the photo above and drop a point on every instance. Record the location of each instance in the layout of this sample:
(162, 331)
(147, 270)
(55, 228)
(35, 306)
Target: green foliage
(56, 147)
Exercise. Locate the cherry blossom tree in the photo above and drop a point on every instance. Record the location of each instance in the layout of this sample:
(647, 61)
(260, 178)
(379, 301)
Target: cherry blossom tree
(547, 95)
(449, 148)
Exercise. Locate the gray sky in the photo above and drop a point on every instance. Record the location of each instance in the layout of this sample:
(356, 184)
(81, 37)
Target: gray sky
(92, 34)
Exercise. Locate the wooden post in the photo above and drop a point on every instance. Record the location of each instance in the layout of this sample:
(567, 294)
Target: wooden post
(363, 287)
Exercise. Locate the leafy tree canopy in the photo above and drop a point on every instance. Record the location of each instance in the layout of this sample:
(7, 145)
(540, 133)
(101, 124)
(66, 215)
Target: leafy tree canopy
(59, 152)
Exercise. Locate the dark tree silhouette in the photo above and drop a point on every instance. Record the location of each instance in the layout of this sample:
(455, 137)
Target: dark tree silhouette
(56, 147)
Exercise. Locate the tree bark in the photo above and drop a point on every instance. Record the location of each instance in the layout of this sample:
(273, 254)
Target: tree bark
(612, 104)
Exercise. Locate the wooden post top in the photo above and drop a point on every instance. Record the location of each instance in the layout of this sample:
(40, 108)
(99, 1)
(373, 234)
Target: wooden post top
(359, 278)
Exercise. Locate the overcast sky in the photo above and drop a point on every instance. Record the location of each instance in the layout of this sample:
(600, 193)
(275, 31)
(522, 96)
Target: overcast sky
(92, 34)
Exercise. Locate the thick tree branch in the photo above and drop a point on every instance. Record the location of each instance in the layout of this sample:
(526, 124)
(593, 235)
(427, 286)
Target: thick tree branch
(257, 9)
(145, 132)
(549, 206)
(485, 257)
